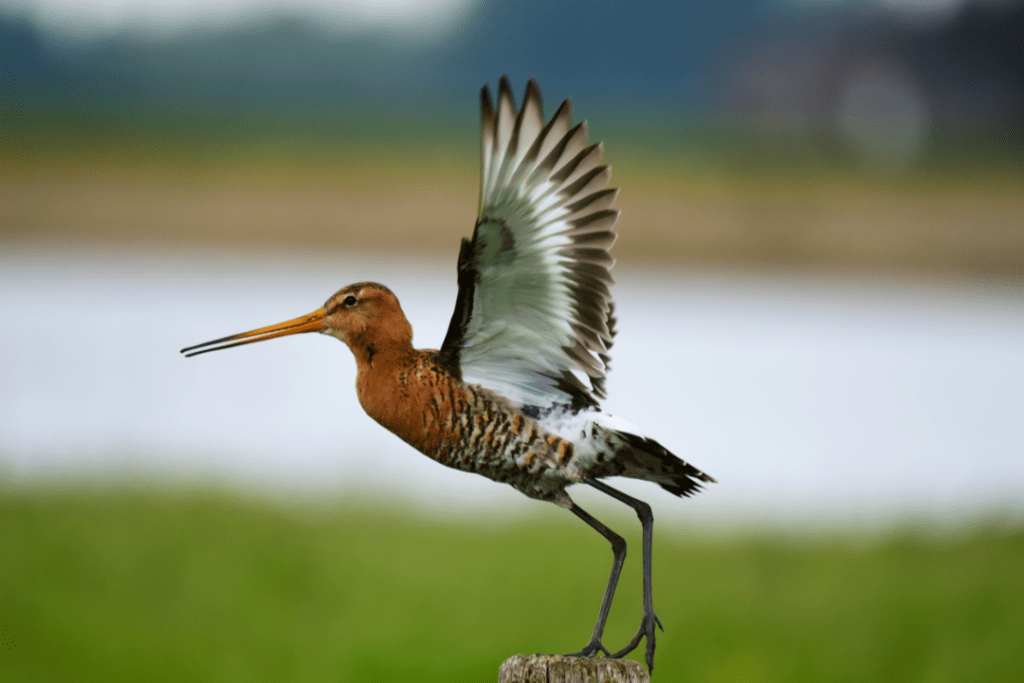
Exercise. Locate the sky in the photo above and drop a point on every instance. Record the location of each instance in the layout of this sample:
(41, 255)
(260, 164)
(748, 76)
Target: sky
(93, 19)
(427, 20)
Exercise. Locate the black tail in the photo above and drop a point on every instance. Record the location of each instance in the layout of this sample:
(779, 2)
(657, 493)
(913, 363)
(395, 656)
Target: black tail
(643, 458)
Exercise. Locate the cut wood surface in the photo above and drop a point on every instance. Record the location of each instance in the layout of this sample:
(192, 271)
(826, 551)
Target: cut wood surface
(561, 669)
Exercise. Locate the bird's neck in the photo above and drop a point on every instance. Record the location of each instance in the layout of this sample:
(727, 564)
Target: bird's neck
(381, 345)
(376, 357)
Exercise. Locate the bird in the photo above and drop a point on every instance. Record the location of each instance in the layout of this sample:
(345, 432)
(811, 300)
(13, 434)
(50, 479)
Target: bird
(513, 393)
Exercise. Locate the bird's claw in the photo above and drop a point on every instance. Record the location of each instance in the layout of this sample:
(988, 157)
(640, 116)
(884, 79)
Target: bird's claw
(646, 631)
(591, 649)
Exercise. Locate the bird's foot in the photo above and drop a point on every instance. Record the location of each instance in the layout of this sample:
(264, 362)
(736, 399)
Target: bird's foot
(646, 630)
(591, 649)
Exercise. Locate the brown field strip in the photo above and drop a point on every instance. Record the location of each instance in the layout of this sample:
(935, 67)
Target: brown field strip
(370, 201)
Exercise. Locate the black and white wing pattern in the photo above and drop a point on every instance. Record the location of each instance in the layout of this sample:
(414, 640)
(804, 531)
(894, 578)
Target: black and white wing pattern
(533, 319)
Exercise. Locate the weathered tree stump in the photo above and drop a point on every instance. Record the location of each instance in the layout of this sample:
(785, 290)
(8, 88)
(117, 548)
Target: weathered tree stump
(559, 669)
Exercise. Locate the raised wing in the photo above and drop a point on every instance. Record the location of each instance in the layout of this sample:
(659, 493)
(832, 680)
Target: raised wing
(533, 319)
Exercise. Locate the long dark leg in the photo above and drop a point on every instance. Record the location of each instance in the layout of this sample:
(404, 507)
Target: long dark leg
(619, 550)
(646, 630)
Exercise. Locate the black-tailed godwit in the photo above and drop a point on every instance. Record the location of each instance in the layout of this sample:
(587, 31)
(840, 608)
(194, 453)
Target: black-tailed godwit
(513, 392)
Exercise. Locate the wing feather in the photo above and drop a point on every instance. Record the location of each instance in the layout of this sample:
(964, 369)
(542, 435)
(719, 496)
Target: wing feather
(533, 319)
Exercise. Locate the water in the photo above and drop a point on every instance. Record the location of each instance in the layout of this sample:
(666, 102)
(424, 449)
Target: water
(808, 398)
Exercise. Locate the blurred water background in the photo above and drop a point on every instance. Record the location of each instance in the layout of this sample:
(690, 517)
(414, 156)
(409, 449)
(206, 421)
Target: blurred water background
(820, 303)
(813, 401)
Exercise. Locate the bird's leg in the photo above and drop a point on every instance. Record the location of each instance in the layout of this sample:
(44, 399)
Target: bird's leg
(619, 550)
(649, 619)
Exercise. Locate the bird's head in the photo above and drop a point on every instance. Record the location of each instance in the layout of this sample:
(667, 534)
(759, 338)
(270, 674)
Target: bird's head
(366, 313)
(366, 316)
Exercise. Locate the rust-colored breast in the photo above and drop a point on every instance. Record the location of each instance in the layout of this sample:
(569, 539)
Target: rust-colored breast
(411, 397)
(460, 425)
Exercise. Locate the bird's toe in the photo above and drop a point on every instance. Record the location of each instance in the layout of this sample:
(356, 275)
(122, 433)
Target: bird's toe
(591, 649)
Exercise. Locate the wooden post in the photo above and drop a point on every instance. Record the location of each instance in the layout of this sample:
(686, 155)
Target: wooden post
(559, 669)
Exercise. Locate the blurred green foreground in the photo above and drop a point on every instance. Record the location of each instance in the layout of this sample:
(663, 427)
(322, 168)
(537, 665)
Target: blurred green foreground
(201, 586)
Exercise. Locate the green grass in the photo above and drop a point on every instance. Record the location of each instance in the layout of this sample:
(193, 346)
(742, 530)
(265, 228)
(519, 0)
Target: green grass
(159, 586)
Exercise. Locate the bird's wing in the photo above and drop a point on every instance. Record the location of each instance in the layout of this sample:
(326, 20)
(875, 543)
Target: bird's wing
(533, 319)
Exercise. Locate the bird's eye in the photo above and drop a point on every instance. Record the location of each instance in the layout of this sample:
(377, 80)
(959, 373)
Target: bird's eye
(350, 301)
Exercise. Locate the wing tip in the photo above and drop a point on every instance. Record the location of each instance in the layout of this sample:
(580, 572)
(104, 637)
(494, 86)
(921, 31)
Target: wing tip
(532, 91)
(564, 111)
(505, 93)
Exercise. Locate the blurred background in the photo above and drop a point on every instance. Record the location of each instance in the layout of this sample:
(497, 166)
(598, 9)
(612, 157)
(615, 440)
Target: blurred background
(819, 288)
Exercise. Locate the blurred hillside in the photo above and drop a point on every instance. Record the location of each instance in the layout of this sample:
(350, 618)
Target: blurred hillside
(741, 133)
(662, 53)
(680, 60)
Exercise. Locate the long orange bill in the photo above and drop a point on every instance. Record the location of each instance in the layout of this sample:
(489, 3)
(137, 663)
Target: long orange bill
(314, 322)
